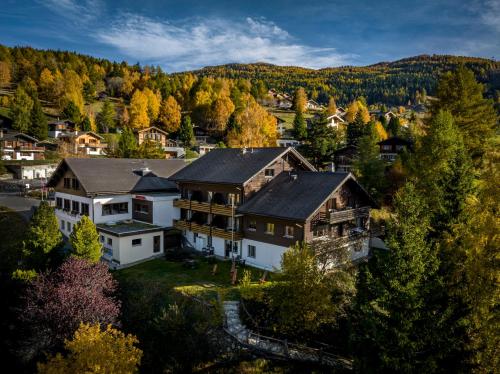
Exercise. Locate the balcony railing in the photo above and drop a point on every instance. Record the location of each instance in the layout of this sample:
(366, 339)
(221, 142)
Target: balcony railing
(347, 215)
(207, 230)
(205, 207)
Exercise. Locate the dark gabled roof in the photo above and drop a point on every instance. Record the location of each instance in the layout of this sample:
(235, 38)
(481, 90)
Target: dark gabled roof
(232, 165)
(11, 135)
(152, 128)
(395, 140)
(296, 198)
(119, 175)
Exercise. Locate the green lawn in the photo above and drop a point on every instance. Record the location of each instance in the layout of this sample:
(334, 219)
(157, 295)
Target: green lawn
(166, 276)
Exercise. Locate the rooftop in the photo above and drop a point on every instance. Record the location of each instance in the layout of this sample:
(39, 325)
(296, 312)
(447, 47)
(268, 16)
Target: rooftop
(233, 165)
(296, 197)
(127, 228)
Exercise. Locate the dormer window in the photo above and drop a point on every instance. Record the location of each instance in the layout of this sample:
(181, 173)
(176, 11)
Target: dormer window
(269, 173)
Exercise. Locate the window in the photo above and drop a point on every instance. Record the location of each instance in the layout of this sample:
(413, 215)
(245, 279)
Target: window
(75, 184)
(270, 228)
(141, 208)
(136, 242)
(67, 204)
(233, 199)
(116, 208)
(68, 226)
(269, 173)
(289, 231)
(110, 241)
(75, 206)
(386, 147)
(63, 224)
(59, 203)
(67, 183)
(85, 209)
(252, 225)
(102, 238)
(251, 251)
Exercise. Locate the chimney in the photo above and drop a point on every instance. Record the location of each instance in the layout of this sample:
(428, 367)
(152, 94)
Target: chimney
(142, 171)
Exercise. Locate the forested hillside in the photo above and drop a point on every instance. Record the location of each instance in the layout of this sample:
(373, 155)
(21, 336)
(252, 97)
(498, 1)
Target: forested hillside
(392, 83)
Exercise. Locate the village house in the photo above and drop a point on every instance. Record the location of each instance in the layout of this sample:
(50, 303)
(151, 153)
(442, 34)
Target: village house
(335, 121)
(15, 145)
(38, 171)
(253, 204)
(391, 147)
(58, 128)
(288, 142)
(129, 200)
(171, 147)
(313, 105)
(343, 158)
(82, 143)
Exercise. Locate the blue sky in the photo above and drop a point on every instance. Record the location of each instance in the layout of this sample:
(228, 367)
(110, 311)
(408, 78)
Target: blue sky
(182, 35)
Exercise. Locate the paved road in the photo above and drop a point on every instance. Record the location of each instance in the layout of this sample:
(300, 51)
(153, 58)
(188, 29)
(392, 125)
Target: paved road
(20, 204)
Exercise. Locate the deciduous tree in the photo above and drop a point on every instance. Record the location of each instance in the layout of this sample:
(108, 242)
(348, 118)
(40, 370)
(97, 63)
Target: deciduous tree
(95, 351)
(332, 107)
(300, 100)
(139, 118)
(170, 115)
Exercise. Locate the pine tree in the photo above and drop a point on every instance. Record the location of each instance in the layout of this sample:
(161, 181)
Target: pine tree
(356, 130)
(106, 118)
(394, 126)
(43, 238)
(20, 110)
(85, 241)
(459, 93)
(86, 125)
(39, 126)
(127, 144)
(299, 126)
(186, 134)
(368, 167)
(392, 324)
(72, 112)
(322, 141)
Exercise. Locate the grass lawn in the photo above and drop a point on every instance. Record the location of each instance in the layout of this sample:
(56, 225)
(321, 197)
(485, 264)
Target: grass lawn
(167, 276)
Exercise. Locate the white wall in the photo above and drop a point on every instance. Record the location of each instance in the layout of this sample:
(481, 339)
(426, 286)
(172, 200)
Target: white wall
(43, 171)
(66, 216)
(29, 157)
(101, 200)
(127, 253)
(267, 256)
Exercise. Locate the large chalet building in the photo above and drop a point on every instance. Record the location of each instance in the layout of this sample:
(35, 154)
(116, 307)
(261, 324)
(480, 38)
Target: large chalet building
(82, 143)
(247, 203)
(256, 203)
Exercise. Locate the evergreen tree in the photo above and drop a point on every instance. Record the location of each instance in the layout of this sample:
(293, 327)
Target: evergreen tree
(368, 167)
(392, 324)
(72, 112)
(39, 126)
(43, 238)
(106, 118)
(85, 241)
(20, 110)
(394, 126)
(86, 125)
(186, 134)
(356, 130)
(299, 126)
(459, 93)
(321, 142)
(127, 144)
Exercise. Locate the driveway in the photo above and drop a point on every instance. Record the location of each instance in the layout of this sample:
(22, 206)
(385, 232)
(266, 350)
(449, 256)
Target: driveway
(22, 205)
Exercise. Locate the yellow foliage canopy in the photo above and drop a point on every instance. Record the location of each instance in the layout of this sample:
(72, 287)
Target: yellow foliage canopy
(255, 127)
(170, 114)
(139, 118)
(95, 351)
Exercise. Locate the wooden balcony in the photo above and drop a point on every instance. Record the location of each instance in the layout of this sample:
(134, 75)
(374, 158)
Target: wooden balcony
(204, 207)
(347, 215)
(207, 230)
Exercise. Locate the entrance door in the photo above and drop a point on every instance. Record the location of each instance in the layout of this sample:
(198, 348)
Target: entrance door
(156, 244)
(227, 248)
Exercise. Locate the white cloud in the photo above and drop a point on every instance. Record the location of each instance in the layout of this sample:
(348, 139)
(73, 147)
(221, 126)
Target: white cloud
(194, 44)
(77, 11)
(490, 14)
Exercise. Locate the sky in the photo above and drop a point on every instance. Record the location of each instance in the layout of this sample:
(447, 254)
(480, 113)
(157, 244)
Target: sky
(188, 34)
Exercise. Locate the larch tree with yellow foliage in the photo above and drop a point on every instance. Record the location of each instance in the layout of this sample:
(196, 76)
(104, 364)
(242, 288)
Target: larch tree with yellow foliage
(5, 74)
(138, 112)
(170, 114)
(255, 127)
(332, 107)
(220, 111)
(300, 100)
(380, 131)
(93, 350)
(73, 89)
(154, 101)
